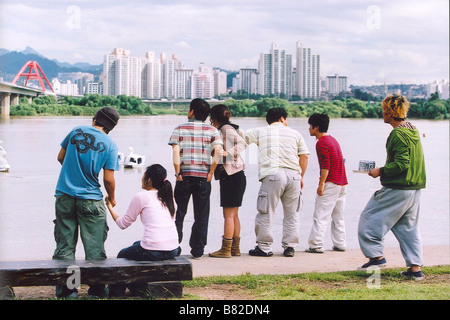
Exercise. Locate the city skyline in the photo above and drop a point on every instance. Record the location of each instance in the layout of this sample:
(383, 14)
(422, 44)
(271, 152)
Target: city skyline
(371, 42)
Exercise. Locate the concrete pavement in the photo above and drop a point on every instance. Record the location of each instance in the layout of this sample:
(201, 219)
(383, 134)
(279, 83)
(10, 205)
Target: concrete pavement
(303, 262)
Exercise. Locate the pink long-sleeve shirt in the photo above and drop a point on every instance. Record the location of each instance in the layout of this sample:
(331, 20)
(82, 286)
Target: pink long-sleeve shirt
(160, 232)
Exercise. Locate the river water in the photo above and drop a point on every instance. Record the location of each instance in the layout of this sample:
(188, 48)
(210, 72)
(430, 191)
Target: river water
(27, 190)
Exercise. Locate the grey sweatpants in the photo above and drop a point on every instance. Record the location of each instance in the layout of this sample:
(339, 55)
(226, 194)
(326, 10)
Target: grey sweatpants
(396, 210)
(285, 186)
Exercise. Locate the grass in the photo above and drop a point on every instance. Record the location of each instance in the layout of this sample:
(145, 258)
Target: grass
(350, 285)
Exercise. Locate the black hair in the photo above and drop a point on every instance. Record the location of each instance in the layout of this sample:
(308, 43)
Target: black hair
(220, 114)
(158, 174)
(99, 124)
(320, 120)
(201, 109)
(275, 114)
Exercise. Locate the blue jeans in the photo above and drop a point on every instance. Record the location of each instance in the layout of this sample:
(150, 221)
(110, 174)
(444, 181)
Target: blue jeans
(136, 252)
(200, 190)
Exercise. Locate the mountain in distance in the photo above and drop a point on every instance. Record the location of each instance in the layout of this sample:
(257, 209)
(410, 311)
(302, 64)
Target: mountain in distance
(12, 61)
(29, 50)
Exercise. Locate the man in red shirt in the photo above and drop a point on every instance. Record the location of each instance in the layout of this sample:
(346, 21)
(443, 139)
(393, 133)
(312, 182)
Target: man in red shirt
(330, 198)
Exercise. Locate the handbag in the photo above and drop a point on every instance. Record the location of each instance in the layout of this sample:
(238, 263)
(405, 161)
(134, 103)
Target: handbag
(220, 172)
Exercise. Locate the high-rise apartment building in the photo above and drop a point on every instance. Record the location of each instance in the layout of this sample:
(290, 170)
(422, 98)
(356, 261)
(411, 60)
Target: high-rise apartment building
(94, 88)
(307, 73)
(122, 74)
(203, 82)
(183, 83)
(168, 70)
(441, 87)
(275, 72)
(265, 74)
(151, 77)
(336, 84)
(147, 78)
(247, 80)
(109, 72)
(82, 79)
(65, 89)
(220, 82)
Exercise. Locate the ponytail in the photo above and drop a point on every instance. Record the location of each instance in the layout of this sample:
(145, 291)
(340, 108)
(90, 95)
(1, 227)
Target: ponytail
(165, 195)
(158, 175)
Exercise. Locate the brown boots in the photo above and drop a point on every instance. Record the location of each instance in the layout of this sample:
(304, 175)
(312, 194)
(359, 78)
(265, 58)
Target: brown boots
(235, 251)
(229, 248)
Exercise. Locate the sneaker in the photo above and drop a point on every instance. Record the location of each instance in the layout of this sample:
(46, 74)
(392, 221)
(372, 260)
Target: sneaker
(373, 262)
(197, 253)
(418, 275)
(289, 252)
(314, 250)
(259, 253)
(338, 249)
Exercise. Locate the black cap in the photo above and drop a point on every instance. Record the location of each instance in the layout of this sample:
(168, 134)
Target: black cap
(108, 117)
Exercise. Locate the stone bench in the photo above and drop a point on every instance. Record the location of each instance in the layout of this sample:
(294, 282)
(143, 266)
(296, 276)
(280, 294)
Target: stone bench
(163, 276)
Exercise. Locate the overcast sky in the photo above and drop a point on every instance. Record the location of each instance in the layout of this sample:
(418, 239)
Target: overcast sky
(371, 42)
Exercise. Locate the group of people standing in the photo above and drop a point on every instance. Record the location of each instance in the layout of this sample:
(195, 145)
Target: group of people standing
(202, 152)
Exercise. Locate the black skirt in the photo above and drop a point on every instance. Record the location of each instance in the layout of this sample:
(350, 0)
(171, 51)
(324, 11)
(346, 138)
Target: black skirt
(232, 189)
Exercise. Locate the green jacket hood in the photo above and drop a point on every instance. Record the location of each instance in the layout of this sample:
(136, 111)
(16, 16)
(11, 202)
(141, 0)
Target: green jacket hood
(408, 134)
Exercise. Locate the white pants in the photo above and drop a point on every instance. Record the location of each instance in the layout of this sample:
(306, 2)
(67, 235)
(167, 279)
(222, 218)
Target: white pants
(329, 205)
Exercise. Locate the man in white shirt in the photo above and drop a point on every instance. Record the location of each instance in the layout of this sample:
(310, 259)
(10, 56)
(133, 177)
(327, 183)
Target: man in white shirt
(283, 159)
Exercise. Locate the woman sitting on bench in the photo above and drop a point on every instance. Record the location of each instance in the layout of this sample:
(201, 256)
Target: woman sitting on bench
(156, 208)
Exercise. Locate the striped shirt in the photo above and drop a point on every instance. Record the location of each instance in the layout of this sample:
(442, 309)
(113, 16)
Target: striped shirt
(330, 157)
(196, 140)
(279, 147)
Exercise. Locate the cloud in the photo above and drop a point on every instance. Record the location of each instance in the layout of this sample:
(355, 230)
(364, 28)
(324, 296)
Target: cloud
(366, 40)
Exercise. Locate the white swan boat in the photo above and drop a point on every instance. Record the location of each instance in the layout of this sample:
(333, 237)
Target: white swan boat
(4, 166)
(132, 160)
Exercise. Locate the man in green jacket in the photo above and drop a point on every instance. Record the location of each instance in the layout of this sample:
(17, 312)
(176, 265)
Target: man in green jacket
(396, 205)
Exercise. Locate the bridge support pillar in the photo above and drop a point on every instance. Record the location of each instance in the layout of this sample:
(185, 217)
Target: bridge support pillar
(5, 105)
(14, 101)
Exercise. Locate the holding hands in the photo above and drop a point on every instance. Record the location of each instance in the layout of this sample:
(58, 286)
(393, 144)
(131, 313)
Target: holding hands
(110, 205)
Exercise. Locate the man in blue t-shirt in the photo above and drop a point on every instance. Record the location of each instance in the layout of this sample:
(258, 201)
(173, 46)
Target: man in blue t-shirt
(84, 152)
